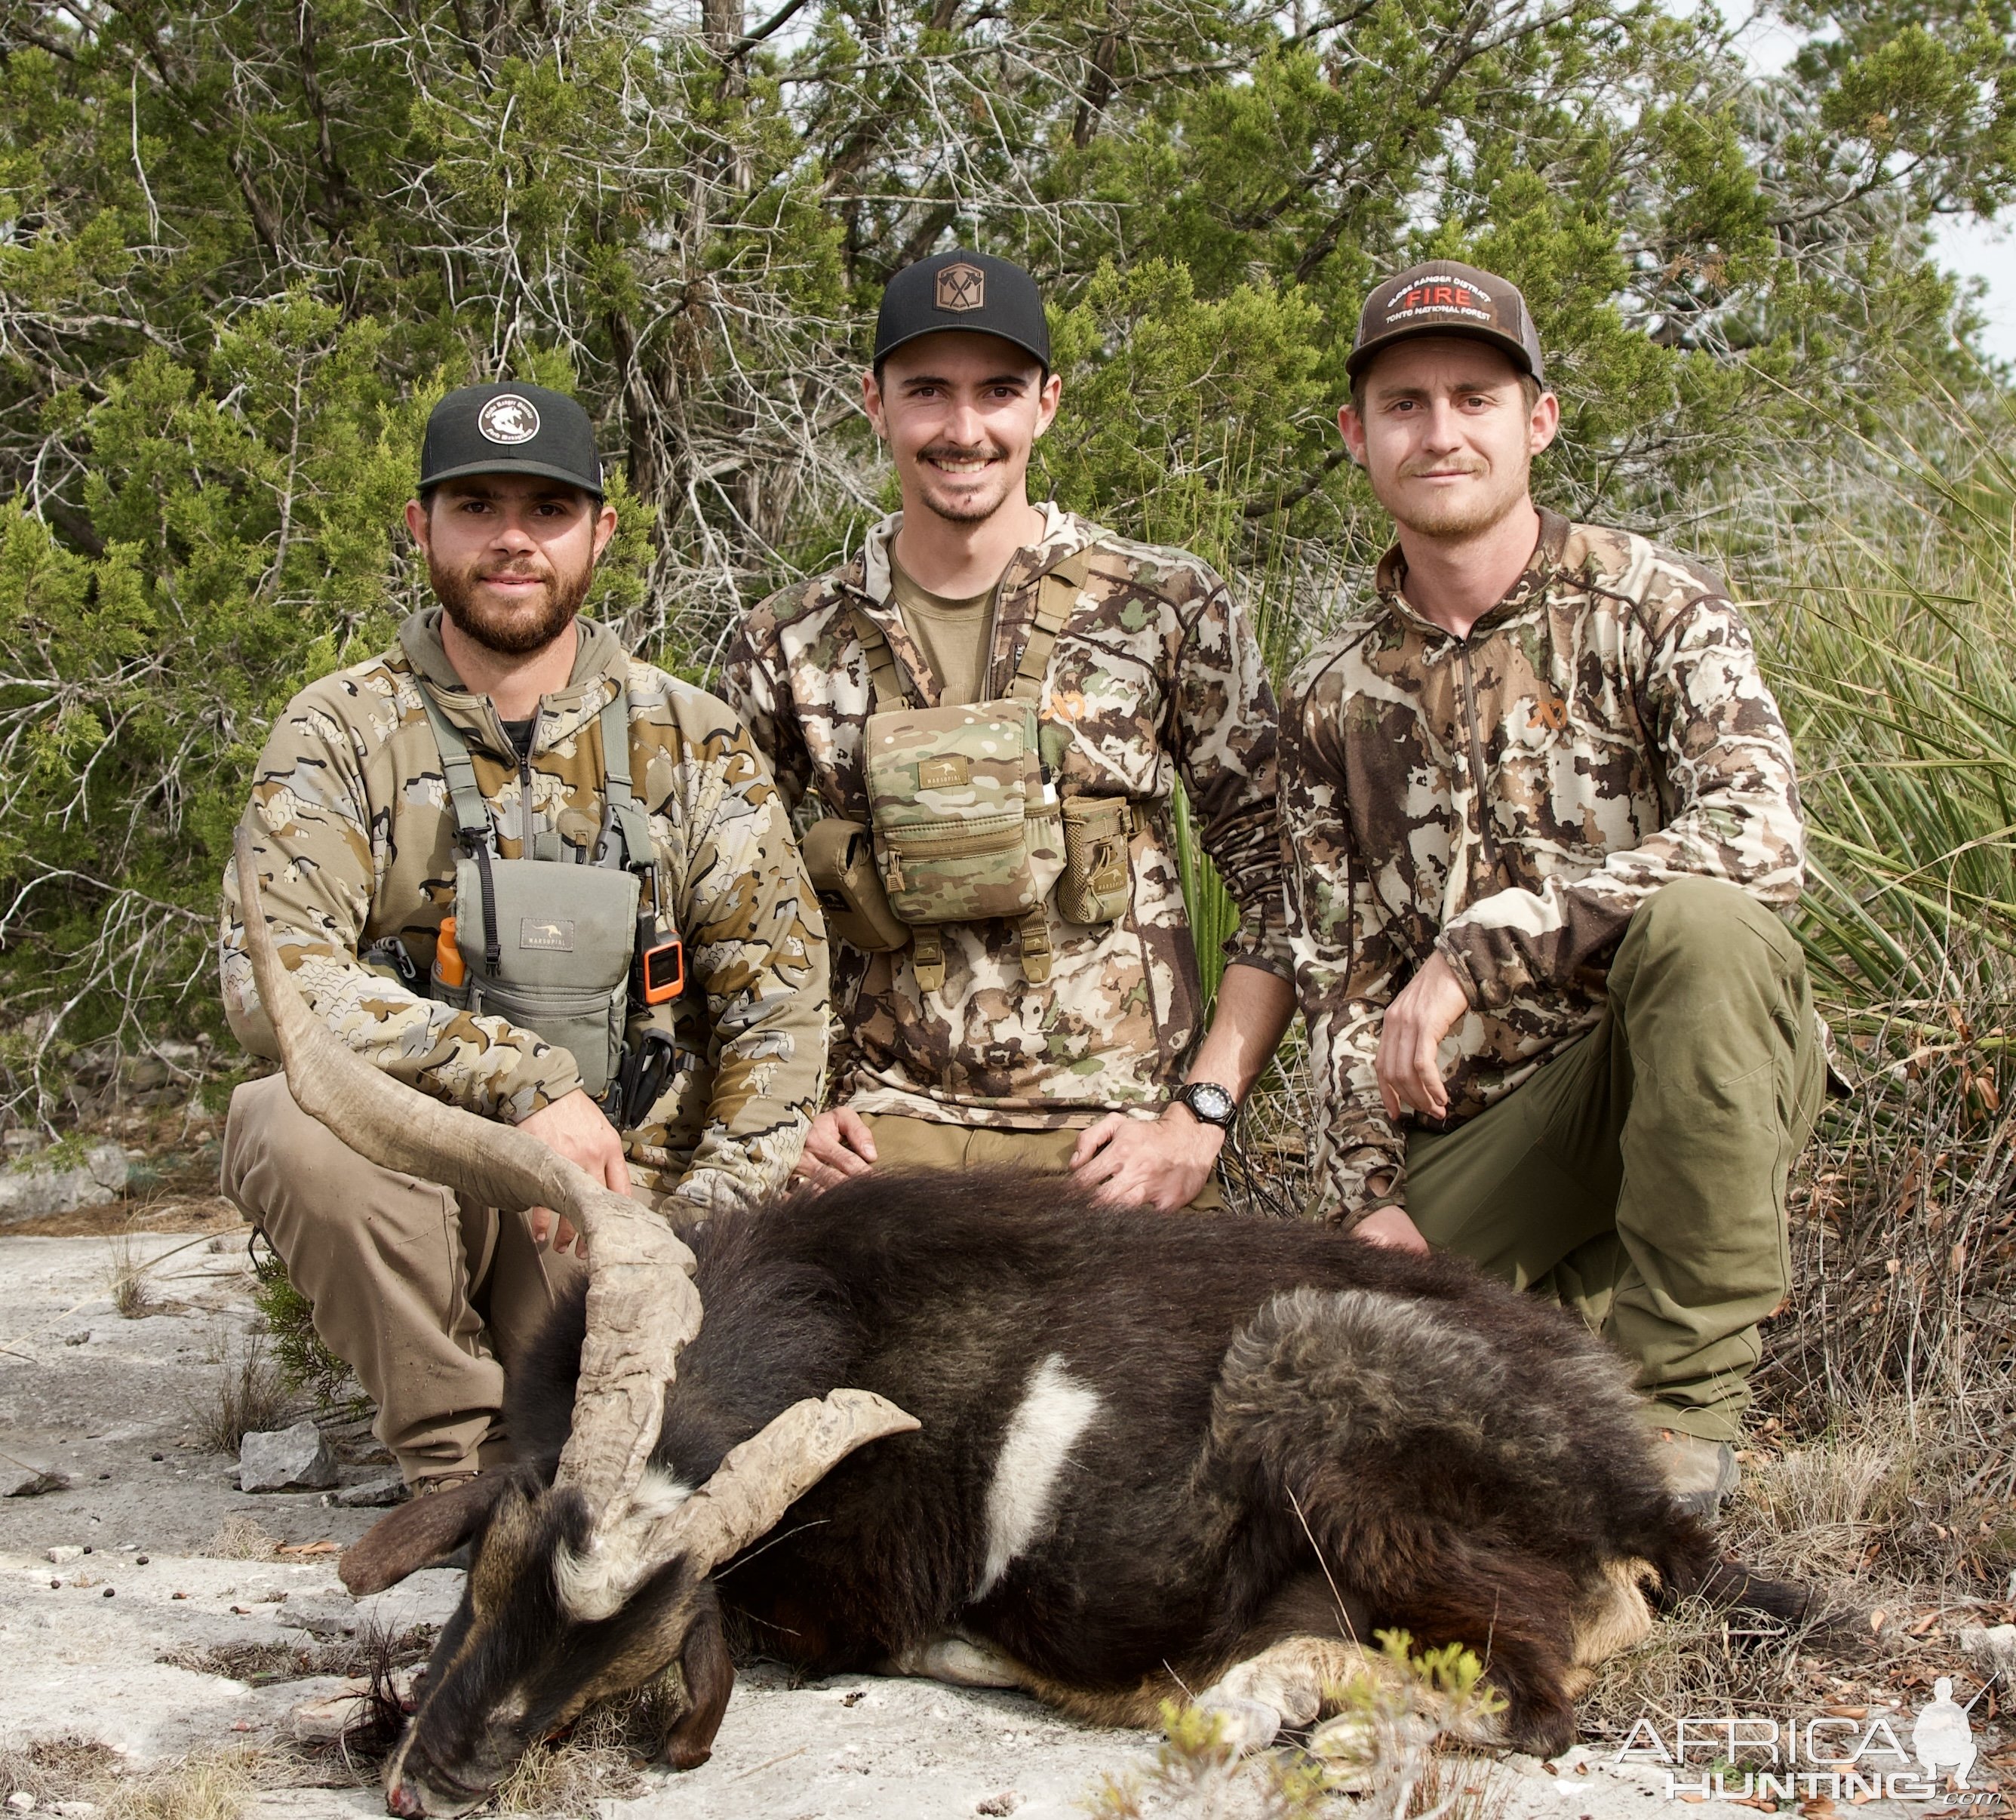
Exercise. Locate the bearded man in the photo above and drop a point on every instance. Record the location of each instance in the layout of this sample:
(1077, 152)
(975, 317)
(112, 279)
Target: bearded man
(636, 972)
(1541, 822)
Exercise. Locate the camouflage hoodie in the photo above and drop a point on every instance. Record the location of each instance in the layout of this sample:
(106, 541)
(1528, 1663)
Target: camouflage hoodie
(1153, 676)
(355, 839)
(1509, 800)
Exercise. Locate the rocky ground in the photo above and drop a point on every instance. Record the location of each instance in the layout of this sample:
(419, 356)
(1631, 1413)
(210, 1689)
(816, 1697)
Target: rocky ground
(155, 1621)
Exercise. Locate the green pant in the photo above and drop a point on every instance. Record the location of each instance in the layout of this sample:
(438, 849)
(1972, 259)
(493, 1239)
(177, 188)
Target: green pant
(1640, 1176)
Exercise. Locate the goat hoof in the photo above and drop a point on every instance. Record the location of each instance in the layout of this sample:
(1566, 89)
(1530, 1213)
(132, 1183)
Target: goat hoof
(1244, 1726)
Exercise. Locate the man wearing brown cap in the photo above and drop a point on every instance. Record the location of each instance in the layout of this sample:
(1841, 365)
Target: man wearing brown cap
(1541, 823)
(991, 703)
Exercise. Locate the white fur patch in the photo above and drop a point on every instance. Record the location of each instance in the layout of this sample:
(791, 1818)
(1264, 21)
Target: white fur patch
(1054, 1412)
(594, 1586)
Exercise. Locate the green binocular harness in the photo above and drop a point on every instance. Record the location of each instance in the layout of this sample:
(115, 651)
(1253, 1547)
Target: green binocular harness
(578, 951)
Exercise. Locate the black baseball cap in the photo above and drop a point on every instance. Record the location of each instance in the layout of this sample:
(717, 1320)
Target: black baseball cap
(972, 293)
(510, 429)
(1444, 298)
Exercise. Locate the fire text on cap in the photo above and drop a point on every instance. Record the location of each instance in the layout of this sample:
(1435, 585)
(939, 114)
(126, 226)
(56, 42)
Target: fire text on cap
(962, 287)
(508, 419)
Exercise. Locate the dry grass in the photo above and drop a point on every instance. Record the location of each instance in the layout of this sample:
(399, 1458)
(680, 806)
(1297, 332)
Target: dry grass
(369, 1650)
(133, 1295)
(56, 1769)
(247, 1398)
(210, 1784)
(599, 1759)
(206, 1785)
(239, 1537)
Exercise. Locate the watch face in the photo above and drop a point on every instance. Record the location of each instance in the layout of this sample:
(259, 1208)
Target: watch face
(1209, 1101)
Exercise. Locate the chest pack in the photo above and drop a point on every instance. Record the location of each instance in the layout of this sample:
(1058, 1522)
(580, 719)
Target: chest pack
(964, 825)
(556, 947)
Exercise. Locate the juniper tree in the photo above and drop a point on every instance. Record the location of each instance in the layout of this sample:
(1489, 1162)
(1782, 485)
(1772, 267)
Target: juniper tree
(243, 245)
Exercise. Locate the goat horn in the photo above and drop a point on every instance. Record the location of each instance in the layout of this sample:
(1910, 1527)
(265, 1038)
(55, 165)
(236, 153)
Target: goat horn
(749, 1491)
(758, 1481)
(642, 1304)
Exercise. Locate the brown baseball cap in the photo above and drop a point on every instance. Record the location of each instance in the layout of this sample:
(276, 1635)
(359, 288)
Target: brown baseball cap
(1444, 298)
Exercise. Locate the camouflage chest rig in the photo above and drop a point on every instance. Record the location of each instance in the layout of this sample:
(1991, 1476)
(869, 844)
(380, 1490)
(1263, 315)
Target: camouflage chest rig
(966, 824)
(573, 951)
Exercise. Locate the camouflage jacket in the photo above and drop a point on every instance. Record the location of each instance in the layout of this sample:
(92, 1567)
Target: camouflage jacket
(1509, 800)
(355, 839)
(1154, 676)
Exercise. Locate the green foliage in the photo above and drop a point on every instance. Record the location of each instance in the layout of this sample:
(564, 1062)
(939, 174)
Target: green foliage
(243, 246)
(306, 1366)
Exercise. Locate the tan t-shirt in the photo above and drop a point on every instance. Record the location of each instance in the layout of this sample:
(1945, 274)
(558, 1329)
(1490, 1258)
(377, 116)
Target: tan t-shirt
(953, 634)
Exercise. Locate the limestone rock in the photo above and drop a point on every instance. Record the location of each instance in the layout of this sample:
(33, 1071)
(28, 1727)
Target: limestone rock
(293, 1459)
(376, 1494)
(35, 1186)
(29, 1478)
(66, 1552)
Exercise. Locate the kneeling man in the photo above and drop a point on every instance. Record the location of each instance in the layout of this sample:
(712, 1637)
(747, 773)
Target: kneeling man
(1540, 822)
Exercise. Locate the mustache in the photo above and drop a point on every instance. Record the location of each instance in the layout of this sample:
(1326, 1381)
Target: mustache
(952, 452)
(1414, 469)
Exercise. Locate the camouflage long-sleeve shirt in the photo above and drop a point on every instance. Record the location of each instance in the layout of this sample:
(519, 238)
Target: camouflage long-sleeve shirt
(1509, 800)
(355, 839)
(1154, 677)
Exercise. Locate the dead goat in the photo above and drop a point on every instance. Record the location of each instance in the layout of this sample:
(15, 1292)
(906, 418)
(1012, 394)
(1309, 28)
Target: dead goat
(1116, 1456)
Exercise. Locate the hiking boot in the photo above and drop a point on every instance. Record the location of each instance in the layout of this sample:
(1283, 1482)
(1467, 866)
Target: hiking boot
(1699, 1473)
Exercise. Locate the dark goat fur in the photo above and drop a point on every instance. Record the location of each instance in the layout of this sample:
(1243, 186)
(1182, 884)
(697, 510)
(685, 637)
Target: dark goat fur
(1294, 1430)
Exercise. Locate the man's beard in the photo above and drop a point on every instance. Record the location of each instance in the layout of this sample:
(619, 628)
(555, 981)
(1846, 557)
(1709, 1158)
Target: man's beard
(511, 632)
(1455, 520)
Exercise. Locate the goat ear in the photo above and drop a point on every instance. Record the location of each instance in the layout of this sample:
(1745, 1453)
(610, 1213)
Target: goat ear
(418, 1533)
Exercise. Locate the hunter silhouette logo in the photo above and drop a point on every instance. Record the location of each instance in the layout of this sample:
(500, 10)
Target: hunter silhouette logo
(508, 419)
(962, 287)
(1942, 1739)
(555, 935)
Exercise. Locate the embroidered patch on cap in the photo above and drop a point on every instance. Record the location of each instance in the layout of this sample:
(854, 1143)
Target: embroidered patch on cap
(962, 287)
(507, 419)
(556, 936)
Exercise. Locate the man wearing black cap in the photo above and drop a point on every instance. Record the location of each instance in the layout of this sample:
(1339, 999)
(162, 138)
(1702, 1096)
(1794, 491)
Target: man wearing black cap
(590, 822)
(1542, 823)
(991, 703)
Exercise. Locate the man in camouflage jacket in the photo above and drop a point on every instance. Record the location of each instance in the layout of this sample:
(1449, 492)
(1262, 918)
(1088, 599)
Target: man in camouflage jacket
(1154, 677)
(354, 834)
(1541, 818)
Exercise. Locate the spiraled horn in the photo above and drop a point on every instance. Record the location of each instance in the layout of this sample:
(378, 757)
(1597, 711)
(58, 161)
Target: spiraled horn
(642, 1304)
(755, 1483)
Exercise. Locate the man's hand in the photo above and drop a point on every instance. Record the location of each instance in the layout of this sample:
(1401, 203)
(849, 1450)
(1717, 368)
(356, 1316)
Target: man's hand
(838, 1146)
(574, 1126)
(1163, 1162)
(1427, 1008)
(1390, 1227)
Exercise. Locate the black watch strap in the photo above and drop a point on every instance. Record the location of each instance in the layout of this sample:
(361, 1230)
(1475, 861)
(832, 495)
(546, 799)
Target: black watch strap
(1209, 1103)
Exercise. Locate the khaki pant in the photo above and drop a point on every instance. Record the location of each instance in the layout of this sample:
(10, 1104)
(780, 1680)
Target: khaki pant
(426, 1298)
(1639, 1176)
(902, 1142)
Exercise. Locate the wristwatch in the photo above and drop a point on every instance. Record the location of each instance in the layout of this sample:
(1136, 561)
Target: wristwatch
(1210, 1103)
